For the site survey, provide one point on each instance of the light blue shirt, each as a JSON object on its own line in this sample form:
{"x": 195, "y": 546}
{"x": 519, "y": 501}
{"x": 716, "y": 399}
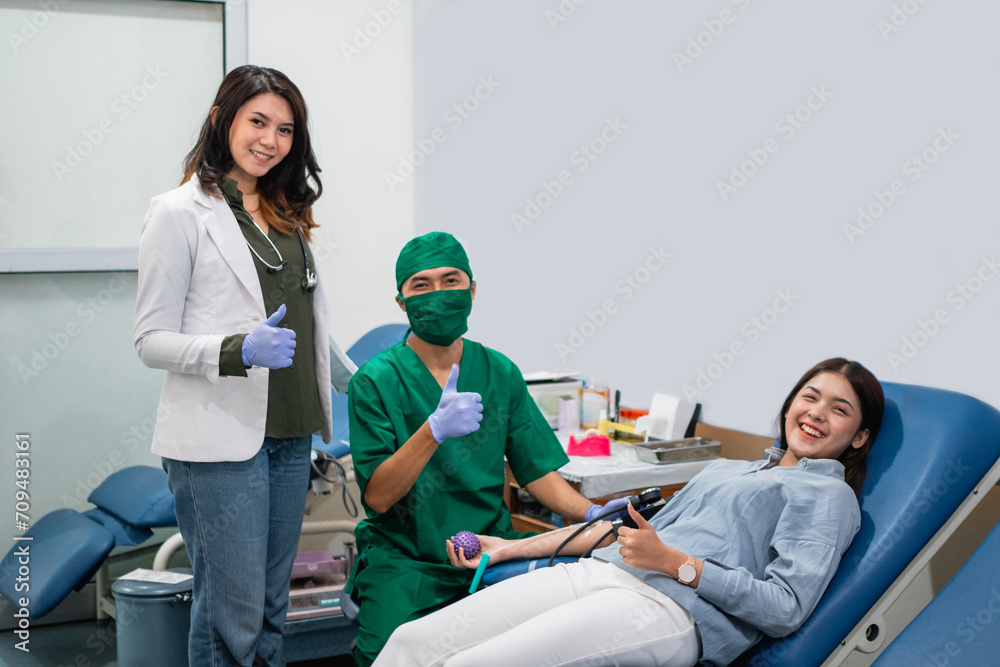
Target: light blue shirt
{"x": 771, "y": 538}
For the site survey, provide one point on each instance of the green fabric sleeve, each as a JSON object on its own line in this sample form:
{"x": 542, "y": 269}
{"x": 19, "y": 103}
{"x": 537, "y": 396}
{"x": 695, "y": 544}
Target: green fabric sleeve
{"x": 373, "y": 437}
{"x": 533, "y": 450}
{"x": 231, "y": 356}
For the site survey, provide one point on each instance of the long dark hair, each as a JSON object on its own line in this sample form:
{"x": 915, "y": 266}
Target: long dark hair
{"x": 286, "y": 196}
{"x": 872, "y": 403}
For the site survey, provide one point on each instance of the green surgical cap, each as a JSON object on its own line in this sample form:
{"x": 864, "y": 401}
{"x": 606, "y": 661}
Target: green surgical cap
{"x": 430, "y": 251}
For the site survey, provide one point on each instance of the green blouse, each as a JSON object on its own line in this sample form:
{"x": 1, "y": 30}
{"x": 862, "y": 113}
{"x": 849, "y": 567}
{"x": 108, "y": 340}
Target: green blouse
{"x": 293, "y": 405}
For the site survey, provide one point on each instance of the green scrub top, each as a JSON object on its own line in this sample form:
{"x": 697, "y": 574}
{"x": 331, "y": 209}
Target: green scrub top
{"x": 403, "y": 571}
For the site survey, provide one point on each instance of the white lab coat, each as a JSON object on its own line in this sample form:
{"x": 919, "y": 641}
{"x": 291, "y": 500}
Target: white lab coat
{"x": 197, "y": 285}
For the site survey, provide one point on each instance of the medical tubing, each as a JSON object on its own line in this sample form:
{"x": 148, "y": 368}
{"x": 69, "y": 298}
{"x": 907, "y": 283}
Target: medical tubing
{"x": 595, "y": 544}
{"x": 579, "y": 530}
{"x": 352, "y": 509}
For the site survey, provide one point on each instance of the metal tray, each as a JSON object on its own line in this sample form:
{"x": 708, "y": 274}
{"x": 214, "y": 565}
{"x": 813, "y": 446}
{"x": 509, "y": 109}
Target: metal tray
{"x": 674, "y": 451}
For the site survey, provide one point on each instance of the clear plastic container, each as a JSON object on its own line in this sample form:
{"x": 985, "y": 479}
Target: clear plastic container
{"x": 594, "y": 398}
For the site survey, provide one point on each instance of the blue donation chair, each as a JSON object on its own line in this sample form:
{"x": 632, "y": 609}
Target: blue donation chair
{"x": 937, "y": 454}
{"x": 68, "y": 548}
{"x": 959, "y": 626}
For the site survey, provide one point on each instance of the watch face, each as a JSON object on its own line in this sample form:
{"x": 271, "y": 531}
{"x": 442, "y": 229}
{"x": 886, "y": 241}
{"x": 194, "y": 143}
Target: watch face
{"x": 686, "y": 573}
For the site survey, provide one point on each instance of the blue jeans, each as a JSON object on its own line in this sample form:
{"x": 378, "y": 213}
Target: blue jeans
{"x": 241, "y": 522}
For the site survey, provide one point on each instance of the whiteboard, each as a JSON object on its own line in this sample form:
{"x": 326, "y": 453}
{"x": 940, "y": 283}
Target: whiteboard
{"x": 102, "y": 102}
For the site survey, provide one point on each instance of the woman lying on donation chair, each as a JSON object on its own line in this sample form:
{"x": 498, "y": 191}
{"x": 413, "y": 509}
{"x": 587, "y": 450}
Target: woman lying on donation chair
{"x": 745, "y": 548}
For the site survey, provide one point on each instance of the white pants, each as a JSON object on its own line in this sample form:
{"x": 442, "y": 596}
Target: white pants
{"x": 586, "y": 613}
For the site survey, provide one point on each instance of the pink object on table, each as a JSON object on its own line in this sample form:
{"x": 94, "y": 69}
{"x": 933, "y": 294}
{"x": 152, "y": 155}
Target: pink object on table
{"x": 593, "y": 445}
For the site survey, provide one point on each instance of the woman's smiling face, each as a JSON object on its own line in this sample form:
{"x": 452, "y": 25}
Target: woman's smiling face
{"x": 823, "y": 420}
{"x": 260, "y": 137}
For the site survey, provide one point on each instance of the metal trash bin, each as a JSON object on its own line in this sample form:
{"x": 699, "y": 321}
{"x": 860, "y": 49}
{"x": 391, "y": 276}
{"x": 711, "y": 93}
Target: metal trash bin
{"x": 152, "y": 622}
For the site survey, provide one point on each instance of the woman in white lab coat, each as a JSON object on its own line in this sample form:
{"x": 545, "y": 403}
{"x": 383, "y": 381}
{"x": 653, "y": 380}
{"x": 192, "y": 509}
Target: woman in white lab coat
{"x": 229, "y": 304}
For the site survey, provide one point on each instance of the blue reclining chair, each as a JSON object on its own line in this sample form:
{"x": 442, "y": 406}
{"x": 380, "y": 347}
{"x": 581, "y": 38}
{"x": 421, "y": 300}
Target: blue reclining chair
{"x": 68, "y": 548}
{"x": 367, "y": 347}
{"x": 937, "y": 454}
{"x": 958, "y": 626}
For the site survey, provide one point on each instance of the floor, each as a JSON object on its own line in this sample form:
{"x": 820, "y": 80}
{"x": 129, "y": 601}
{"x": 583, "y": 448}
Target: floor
{"x": 90, "y": 644}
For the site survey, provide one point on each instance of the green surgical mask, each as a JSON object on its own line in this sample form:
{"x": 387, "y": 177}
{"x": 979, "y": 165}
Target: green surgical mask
{"x": 439, "y": 317}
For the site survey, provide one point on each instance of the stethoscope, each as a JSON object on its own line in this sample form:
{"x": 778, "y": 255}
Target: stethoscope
{"x": 309, "y": 281}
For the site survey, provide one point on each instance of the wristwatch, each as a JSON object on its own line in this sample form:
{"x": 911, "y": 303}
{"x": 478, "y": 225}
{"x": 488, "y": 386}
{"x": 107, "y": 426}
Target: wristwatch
{"x": 686, "y": 573}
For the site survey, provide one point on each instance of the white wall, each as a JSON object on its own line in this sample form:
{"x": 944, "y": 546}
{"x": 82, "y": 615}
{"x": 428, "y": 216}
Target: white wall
{"x": 877, "y": 99}
{"x": 84, "y": 396}
{"x": 361, "y": 108}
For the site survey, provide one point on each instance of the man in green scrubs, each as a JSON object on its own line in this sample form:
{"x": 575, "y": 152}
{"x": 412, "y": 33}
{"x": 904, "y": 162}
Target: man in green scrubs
{"x": 427, "y": 467}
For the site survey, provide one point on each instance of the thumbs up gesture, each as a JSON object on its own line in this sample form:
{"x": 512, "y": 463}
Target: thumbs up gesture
{"x": 641, "y": 547}
{"x": 458, "y": 413}
{"x": 269, "y": 345}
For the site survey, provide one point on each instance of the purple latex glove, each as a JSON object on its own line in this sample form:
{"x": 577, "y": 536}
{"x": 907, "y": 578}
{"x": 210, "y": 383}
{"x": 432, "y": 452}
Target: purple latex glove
{"x": 458, "y": 413}
{"x": 597, "y": 510}
{"x": 269, "y": 345}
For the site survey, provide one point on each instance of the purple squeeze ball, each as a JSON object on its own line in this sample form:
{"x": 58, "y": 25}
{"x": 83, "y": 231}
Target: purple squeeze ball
{"x": 467, "y": 541}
